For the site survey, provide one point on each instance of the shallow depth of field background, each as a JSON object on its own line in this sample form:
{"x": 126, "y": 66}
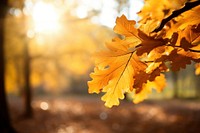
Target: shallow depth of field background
{"x": 52, "y": 42}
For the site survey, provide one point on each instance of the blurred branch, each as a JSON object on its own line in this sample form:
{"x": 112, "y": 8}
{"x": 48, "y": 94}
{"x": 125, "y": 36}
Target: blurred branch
{"x": 188, "y": 6}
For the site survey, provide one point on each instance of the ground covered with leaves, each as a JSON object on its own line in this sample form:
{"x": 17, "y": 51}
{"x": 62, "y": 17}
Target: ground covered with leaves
{"x": 88, "y": 115}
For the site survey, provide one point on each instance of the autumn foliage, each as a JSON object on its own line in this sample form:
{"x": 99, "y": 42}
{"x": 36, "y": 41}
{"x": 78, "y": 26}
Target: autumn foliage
{"x": 166, "y": 38}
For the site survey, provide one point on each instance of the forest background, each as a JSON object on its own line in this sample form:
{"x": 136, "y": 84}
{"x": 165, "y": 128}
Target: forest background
{"x": 48, "y": 47}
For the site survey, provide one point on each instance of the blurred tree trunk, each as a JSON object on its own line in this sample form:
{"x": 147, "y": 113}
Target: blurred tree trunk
{"x": 27, "y": 93}
{"x": 197, "y": 86}
{"x": 27, "y": 87}
{"x": 5, "y": 124}
{"x": 175, "y": 84}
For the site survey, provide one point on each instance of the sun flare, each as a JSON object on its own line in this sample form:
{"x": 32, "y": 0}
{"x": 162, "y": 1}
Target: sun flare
{"x": 45, "y": 17}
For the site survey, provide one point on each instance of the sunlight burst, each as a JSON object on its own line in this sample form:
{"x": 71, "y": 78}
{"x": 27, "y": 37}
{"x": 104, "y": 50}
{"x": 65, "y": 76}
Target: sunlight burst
{"x": 45, "y": 17}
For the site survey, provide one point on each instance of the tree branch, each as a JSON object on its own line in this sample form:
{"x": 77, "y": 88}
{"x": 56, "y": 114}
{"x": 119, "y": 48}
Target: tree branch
{"x": 190, "y": 50}
{"x": 188, "y": 6}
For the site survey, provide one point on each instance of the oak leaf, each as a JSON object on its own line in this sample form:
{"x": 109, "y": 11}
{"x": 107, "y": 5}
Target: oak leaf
{"x": 116, "y": 79}
{"x": 181, "y": 22}
{"x": 149, "y": 43}
{"x": 114, "y": 73}
{"x": 189, "y": 38}
{"x": 125, "y": 27}
{"x": 159, "y": 83}
{"x": 135, "y": 61}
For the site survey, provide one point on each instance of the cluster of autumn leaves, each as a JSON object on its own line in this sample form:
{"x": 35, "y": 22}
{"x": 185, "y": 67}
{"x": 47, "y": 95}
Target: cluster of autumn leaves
{"x": 134, "y": 62}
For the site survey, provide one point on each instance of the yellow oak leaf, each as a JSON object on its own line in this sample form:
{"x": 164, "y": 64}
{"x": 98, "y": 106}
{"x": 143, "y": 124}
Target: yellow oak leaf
{"x": 159, "y": 83}
{"x": 149, "y": 43}
{"x": 125, "y": 27}
{"x": 116, "y": 78}
{"x": 159, "y": 51}
{"x": 189, "y": 38}
{"x": 135, "y": 62}
{"x": 177, "y": 59}
{"x": 135, "y": 38}
{"x": 117, "y": 45}
{"x": 187, "y": 18}
{"x": 152, "y": 71}
{"x": 151, "y": 16}
{"x": 192, "y": 34}
{"x": 192, "y": 15}
{"x": 119, "y": 69}
{"x": 189, "y": 54}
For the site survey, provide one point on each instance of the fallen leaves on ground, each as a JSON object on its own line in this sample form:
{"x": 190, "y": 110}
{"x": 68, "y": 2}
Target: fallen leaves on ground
{"x": 88, "y": 115}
